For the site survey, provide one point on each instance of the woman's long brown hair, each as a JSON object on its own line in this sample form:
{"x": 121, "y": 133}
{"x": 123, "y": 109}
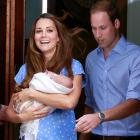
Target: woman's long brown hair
{"x": 62, "y": 57}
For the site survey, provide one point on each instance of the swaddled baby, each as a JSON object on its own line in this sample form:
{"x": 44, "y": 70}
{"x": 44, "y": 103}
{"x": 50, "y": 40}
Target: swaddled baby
{"x": 47, "y": 82}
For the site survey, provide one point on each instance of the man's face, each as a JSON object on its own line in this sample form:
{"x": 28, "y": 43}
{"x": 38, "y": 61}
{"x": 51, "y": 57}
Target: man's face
{"x": 46, "y": 36}
{"x": 105, "y": 32}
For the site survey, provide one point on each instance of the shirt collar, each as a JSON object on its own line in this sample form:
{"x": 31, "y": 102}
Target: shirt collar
{"x": 119, "y": 47}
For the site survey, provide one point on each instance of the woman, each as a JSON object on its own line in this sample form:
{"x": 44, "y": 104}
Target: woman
{"x": 50, "y": 47}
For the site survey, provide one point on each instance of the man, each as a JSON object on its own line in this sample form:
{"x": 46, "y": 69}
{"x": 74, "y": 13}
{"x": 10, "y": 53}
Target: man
{"x": 113, "y": 88}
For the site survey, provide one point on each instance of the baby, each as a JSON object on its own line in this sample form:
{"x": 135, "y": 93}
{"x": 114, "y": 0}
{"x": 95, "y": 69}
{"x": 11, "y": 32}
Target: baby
{"x": 47, "y": 82}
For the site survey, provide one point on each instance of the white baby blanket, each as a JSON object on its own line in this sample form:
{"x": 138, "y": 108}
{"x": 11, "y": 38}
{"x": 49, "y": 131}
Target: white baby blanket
{"x": 41, "y": 82}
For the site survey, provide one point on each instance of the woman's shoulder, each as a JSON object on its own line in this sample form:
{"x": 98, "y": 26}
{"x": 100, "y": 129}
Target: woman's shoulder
{"x": 77, "y": 69}
{"x": 76, "y": 64}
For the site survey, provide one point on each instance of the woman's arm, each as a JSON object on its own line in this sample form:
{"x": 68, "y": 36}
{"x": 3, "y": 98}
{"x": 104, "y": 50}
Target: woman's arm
{"x": 56, "y": 100}
{"x": 31, "y": 114}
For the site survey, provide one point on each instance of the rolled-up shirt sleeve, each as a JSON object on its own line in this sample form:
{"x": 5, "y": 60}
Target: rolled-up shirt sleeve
{"x": 133, "y": 91}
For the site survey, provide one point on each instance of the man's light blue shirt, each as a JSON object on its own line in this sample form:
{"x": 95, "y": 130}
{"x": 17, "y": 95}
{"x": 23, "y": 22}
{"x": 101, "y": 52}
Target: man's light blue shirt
{"x": 113, "y": 81}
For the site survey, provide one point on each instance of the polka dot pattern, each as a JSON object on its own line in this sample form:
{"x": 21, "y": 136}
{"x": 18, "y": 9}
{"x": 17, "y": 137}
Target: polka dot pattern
{"x": 60, "y": 124}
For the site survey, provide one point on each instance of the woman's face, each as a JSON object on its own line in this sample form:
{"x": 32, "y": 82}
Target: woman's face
{"x": 46, "y": 36}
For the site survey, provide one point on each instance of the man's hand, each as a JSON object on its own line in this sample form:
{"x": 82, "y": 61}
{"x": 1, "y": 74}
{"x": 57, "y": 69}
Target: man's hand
{"x": 87, "y": 122}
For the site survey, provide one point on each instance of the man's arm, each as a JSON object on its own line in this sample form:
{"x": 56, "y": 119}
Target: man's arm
{"x": 123, "y": 110}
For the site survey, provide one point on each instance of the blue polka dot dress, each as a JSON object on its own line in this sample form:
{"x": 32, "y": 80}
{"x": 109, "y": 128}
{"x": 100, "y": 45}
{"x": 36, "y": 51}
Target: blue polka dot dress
{"x": 60, "y": 124}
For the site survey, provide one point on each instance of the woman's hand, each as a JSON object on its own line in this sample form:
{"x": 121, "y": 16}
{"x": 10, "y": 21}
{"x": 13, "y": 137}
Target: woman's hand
{"x": 32, "y": 114}
{"x": 22, "y": 96}
{"x": 29, "y": 114}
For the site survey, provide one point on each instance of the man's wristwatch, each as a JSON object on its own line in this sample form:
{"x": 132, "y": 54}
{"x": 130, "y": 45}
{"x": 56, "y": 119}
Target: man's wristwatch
{"x": 101, "y": 116}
